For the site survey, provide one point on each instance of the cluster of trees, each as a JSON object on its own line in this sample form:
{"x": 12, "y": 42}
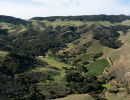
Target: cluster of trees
{"x": 39, "y": 42}
{"x": 76, "y": 61}
{"x": 81, "y": 84}
{"x": 32, "y": 77}
{"x": 15, "y": 64}
{"x": 12, "y": 20}
{"x": 76, "y": 43}
{"x": 122, "y": 28}
{"x": 17, "y": 83}
{"x": 97, "y": 55}
{"x": 20, "y": 88}
{"x": 80, "y": 68}
{"x": 85, "y": 46}
{"x": 110, "y": 18}
{"x": 22, "y": 85}
{"x": 107, "y": 37}
{"x": 35, "y": 42}
{"x": 3, "y": 31}
{"x": 18, "y": 63}
{"x": 53, "y": 90}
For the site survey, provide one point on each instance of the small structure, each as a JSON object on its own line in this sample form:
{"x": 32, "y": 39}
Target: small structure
{"x": 40, "y": 56}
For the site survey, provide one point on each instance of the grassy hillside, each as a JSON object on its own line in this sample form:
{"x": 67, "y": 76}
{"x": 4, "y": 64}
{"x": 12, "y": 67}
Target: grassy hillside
{"x": 53, "y": 62}
{"x": 2, "y": 53}
{"x": 118, "y": 96}
{"x": 67, "y": 37}
{"x": 77, "y": 97}
{"x": 83, "y": 57}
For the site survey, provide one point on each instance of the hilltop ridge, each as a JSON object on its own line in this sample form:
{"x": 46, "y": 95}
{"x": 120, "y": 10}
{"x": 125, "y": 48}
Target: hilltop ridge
{"x": 52, "y": 57}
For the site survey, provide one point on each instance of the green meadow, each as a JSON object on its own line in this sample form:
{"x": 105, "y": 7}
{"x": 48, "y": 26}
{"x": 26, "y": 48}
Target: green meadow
{"x": 106, "y": 86}
{"x": 97, "y": 67}
{"x": 2, "y": 53}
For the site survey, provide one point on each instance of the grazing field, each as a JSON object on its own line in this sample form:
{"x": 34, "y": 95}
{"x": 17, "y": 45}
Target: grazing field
{"x": 37, "y": 26}
{"x": 16, "y": 31}
{"x": 2, "y": 53}
{"x": 104, "y": 23}
{"x": 120, "y": 57}
{"x": 63, "y": 23}
{"x": 75, "y": 48}
{"x": 77, "y": 97}
{"x": 57, "y": 75}
{"x": 7, "y": 25}
{"x": 97, "y": 67}
{"x": 83, "y": 57}
{"x": 45, "y": 70}
{"x": 79, "y": 23}
{"x": 118, "y": 96}
{"x": 126, "y": 22}
{"x": 106, "y": 86}
{"x": 97, "y": 47}
{"x": 53, "y": 62}
{"x": 46, "y": 22}
{"x": 23, "y": 29}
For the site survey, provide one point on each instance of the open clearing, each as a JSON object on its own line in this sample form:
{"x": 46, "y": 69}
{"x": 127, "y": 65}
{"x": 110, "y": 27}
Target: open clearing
{"x": 97, "y": 47}
{"x": 53, "y": 62}
{"x": 2, "y": 53}
{"x": 83, "y": 57}
{"x": 97, "y": 67}
{"x": 77, "y": 97}
{"x": 118, "y": 96}
{"x": 106, "y": 86}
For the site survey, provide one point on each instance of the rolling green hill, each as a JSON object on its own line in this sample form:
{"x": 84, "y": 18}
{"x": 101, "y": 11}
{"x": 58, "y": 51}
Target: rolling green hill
{"x": 52, "y": 57}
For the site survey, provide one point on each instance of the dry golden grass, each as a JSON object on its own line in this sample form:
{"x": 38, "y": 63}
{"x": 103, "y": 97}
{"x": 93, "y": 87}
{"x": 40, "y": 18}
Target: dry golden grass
{"x": 77, "y": 97}
{"x": 118, "y": 96}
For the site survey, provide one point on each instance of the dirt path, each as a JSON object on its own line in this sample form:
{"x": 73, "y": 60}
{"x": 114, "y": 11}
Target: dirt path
{"x": 105, "y": 72}
{"x": 108, "y": 58}
{"x": 82, "y": 97}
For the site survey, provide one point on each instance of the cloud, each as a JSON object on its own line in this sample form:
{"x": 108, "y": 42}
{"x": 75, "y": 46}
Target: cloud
{"x": 44, "y": 1}
{"x": 32, "y": 8}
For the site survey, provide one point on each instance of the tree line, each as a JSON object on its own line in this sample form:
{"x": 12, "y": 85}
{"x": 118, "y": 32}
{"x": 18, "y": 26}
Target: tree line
{"x": 110, "y": 18}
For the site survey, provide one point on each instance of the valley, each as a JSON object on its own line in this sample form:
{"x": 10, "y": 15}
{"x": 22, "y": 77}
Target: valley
{"x": 57, "y": 58}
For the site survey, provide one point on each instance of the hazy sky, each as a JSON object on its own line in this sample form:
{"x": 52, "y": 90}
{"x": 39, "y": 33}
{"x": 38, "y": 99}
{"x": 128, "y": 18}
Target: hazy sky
{"x": 26, "y": 9}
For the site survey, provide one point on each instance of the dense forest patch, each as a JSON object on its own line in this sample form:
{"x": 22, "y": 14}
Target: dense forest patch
{"x": 110, "y": 18}
{"x": 12, "y": 20}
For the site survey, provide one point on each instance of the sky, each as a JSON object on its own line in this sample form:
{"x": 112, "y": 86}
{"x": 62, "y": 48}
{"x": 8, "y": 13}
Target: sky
{"x": 27, "y": 9}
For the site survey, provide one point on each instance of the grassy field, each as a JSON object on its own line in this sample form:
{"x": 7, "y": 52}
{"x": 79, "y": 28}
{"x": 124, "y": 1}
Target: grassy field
{"x": 57, "y": 76}
{"x": 104, "y": 23}
{"x": 83, "y": 57}
{"x": 77, "y": 97}
{"x": 36, "y": 25}
{"x": 106, "y": 86}
{"x": 118, "y": 96}
{"x": 78, "y": 23}
{"x": 23, "y": 29}
{"x": 46, "y": 22}
{"x": 97, "y": 67}
{"x": 2, "y": 53}
{"x": 97, "y": 47}
{"x": 7, "y": 25}
{"x": 75, "y": 48}
{"x": 53, "y": 62}
{"x": 62, "y": 23}
{"x": 126, "y": 22}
